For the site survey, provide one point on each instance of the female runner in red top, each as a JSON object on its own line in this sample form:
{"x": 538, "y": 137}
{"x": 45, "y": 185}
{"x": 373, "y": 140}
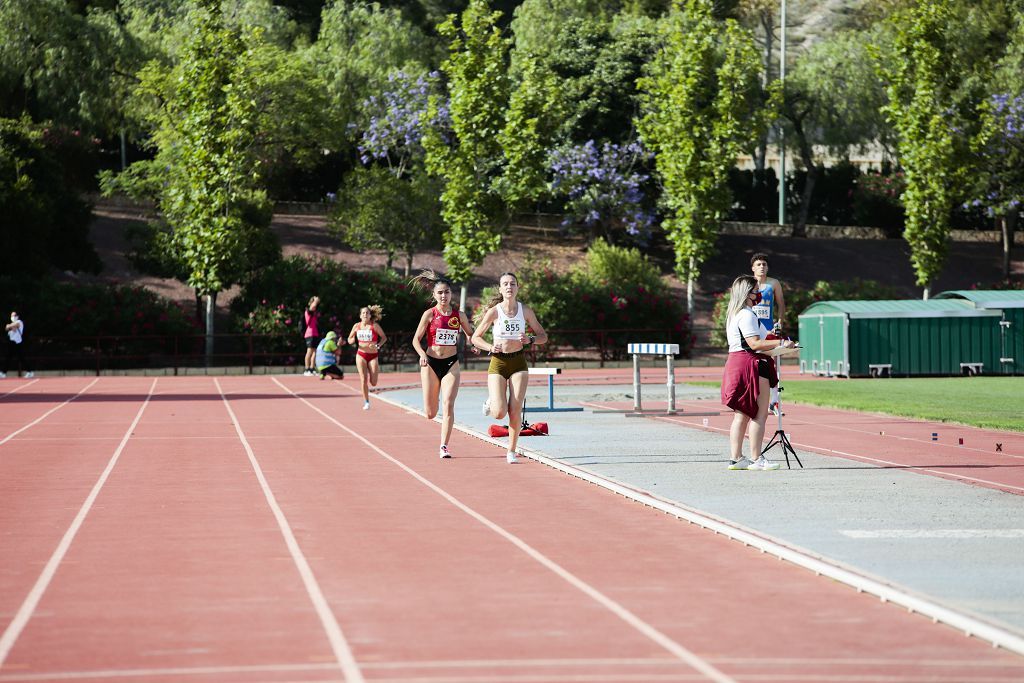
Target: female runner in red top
{"x": 370, "y": 336}
{"x": 439, "y": 361}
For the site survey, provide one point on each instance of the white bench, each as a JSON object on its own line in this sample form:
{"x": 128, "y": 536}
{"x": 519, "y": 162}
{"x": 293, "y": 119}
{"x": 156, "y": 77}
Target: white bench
{"x": 971, "y": 368}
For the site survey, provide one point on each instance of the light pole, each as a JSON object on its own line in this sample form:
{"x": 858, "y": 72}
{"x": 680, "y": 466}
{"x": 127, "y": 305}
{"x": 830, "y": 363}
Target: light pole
{"x": 782, "y": 141}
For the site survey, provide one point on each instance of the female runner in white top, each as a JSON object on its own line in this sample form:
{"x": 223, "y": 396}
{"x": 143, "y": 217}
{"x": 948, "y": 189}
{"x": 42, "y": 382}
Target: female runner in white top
{"x": 508, "y": 375}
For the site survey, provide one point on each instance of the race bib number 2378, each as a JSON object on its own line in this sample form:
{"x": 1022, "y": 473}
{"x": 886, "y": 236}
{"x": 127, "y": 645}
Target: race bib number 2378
{"x": 446, "y": 337}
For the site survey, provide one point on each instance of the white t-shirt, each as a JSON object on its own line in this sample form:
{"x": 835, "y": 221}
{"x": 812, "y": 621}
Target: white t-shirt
{"x": 744, "y": 325}
{"x": 15, "y": 334}
{"x": 509, "y": 328}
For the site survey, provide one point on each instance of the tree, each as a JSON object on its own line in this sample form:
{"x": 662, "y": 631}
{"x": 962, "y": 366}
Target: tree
{"x": 206, "y": 124}
{"x": 359, "y": 45}
{"x": 75, "y": 69}
{"x": 920, "y": 76}
{"x": 471, "y": 158}
{"x": 833, "y": 100}
{"x": 697, "y": 116}
{"x": 379, "y": 210}
{"x": 998, "y": 147}
{"x": 594, "y": 58}
{"x": 603, "y": 187}
{"x": 44, "y": 223}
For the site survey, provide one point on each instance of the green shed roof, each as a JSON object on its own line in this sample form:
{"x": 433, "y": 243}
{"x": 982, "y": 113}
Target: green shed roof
{"x": 988, "y": 298}
{"x": 898, "y": 308}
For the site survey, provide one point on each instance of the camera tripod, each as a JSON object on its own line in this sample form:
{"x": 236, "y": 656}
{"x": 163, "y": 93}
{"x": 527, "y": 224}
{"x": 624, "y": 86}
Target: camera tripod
{"x": 779, "y": 438}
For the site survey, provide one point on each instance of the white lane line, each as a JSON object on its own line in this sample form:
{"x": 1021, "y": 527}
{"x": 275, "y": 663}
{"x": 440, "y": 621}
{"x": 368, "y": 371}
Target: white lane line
{"x": 617, "y": 609}
{"x": 520, "y": 665}
{"x": 31, "y": 601}
{"x": 824, "y": 450}
{"x": 933, "y": 533}
{"x": 970, "y": 626}
{"x": 19, "y": 388}
{"x": 339, "y": 644}
{"x": 951, "y": 449}
{"x": 48, "y": 413}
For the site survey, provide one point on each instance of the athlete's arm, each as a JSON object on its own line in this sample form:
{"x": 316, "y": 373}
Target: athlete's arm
{"x": 352, "y": 334}
{"x": 777, "y": 286}
{"x": 477, "y": 339}
{"x": 380, "y": 333}
{"x": 418, "y": 337}
{"x": 467, "y": 328}
{"x": 539, "y": 335}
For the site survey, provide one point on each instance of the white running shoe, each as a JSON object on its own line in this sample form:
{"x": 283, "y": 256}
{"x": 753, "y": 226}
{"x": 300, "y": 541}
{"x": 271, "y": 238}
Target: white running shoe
{"x": 29, "y": 375}
{"x": 486, "y": 407}
{"x": 763, "y": 463}
{"x": 443, "y": 452}
{"x": 740, "y": 464}
{"x": 511, "y": 458}
{"x": 3, "y": 375}
{"x": 366, "y": 405}
{"x": 307, "y": 373}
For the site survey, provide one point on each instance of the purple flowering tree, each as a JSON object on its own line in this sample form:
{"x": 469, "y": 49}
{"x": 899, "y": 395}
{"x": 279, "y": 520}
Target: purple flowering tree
{"x": 395, "y": 121}
{"x": 999, "y": 153}
{"x": 389, "y": 203}
{"x": 603, "y": 187}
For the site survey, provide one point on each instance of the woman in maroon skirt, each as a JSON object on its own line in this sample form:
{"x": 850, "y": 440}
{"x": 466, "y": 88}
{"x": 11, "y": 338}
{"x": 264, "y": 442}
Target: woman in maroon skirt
{"x": 749, "y": 374}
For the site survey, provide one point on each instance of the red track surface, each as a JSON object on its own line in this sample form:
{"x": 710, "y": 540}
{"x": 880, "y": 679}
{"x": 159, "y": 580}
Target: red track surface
{"x": 270, "y": 537}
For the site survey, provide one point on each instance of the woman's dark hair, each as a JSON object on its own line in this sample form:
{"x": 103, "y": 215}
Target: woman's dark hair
{"x": 429, "y": 279}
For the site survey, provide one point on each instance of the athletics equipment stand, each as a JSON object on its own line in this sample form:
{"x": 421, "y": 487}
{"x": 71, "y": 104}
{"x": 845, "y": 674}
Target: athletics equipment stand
{"x": 779, "y": 438}
{"x": 667, "y": 350}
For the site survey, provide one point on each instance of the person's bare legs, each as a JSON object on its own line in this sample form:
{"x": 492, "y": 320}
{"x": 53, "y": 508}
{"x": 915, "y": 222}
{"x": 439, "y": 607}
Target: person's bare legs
{"x": 755, "y": 430}
{"x": 431, "y": 385}
{"x": 516, "y": 394}
{"x": 449, "y": 390}
{"x": 736, "y": 431}
{"x": 310, "y": 354}
{"x": 497, "y": 396}
{"x": 363, "y": 377}
{"x": 374, "y": 367}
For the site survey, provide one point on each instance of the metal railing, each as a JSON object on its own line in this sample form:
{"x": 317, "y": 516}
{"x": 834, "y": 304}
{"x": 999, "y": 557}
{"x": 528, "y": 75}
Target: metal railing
{"x": 175, "y": 353}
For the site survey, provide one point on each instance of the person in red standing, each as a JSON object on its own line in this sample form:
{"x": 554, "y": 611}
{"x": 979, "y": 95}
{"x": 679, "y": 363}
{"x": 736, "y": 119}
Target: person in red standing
{"x": 439, "y": 361}
{"x": 369, "y": 336}
{"x": 311, "y": 334}
{"x": 749, "y": 374}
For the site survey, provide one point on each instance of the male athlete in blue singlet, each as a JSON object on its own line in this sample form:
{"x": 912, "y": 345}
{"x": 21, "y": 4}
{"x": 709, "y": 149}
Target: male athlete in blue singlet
{"x": 769, "y": 310}
{"x": 772, "y": 306}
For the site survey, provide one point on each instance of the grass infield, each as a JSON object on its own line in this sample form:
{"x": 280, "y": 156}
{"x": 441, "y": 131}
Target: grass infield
{"x": 990, "y": 402}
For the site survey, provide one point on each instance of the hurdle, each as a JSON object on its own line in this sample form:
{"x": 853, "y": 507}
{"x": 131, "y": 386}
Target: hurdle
{"x": 669, "y": 351}
{"x": 550, "y": 373}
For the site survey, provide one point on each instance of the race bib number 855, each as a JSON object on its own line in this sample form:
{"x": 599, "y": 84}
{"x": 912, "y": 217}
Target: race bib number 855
{"x": 510, "y": 329}
{"x": 446, "y": 337}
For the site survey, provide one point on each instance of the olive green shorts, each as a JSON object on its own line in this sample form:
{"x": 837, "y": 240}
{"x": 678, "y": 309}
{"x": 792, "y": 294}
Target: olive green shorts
{"x": 507, "y": 364}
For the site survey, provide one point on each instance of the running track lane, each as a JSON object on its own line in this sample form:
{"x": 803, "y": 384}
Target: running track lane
{"x": 680, "y": 582}
{"x": 179, "y": 563}
{"x": 421, "y": 589}
{"x": 891, "y": 442}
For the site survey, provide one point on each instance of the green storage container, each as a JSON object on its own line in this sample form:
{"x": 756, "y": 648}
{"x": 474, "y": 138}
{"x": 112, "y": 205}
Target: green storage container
{"x": 947, "y": 336}
{"x": 1011, "y": 324}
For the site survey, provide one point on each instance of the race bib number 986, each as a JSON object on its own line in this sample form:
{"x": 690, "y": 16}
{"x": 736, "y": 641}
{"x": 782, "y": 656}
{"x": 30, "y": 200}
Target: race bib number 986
{"x": 446, "y": 337}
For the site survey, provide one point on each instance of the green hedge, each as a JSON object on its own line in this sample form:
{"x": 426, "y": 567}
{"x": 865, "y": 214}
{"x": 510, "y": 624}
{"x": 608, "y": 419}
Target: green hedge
{"x": 274, "y": 299}
{"x": 63, "y": 309}
{"x": 614, "y": 288}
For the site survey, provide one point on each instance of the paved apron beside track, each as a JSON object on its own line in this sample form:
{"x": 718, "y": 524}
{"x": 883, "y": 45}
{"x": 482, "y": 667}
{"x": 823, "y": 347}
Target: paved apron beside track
{"x": 825, "y": 508}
